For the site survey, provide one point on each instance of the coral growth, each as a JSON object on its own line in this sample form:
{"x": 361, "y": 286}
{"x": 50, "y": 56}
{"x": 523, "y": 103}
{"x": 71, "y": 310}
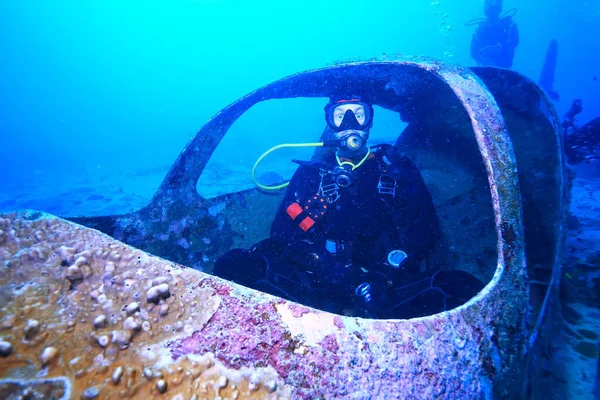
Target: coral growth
{"x": 85, "y": 316}
{"x": 93, "y": 316}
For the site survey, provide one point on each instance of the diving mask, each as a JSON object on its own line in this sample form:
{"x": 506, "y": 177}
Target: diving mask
{"x": 349, "y": 114}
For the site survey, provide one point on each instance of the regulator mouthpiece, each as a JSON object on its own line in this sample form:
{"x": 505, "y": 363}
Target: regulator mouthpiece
{"x": 352, "y": 140}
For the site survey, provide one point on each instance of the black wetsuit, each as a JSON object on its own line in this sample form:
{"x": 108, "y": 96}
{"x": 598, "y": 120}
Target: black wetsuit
{"x": 494, "y": 44}
{"x": 353, "y": 230}
{"x": 582, "y": 144}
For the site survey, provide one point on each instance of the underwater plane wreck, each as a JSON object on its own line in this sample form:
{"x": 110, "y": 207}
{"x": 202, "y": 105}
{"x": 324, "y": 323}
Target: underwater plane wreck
{"x": 104, "y": 307}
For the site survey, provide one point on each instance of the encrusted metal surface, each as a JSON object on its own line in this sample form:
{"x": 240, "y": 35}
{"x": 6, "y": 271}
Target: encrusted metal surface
{"x": 86, "y": 316}
{"x": 171, "y": 331}
{"x": 546, "y": 186}
{"x": 212, "y": 338}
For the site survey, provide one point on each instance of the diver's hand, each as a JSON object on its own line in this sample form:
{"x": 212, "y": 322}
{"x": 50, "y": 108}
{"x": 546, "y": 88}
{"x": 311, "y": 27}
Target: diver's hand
{"x": 491, "y": 51}
{"x": 371, "y": 286}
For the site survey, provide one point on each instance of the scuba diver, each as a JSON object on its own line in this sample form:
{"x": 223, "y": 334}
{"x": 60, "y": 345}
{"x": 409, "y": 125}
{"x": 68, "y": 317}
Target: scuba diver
{"x": 497, "y": 36}
{"x": 352, "y": 231}
{"x": 581, "y": 143}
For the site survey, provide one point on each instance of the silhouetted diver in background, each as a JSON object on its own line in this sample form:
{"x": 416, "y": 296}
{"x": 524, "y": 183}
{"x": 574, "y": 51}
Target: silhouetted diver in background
{"x": 496, "y": 38}
{"x": 581, "y": 144}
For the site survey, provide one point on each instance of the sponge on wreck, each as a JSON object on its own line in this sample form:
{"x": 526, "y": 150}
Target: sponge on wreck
{"x": 84, "y": 316}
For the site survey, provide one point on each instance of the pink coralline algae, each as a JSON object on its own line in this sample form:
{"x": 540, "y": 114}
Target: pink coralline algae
{"x": 298, "y": 310}
{"x": 169, "y": 329}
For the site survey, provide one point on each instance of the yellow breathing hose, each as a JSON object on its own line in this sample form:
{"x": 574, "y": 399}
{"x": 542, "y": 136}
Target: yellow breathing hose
{"x": 272, "y": 149}
{"x": 354, "y": 166}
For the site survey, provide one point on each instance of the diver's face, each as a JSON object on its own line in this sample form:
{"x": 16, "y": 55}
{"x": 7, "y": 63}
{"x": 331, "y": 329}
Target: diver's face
{"x": 340, "y": 111}
{"x": 493, "y": 12}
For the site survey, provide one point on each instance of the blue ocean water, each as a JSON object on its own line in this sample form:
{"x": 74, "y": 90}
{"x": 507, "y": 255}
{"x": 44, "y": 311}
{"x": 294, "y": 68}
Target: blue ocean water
{"x": 98, "y": 98}
{"x": 105, "y": 85}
